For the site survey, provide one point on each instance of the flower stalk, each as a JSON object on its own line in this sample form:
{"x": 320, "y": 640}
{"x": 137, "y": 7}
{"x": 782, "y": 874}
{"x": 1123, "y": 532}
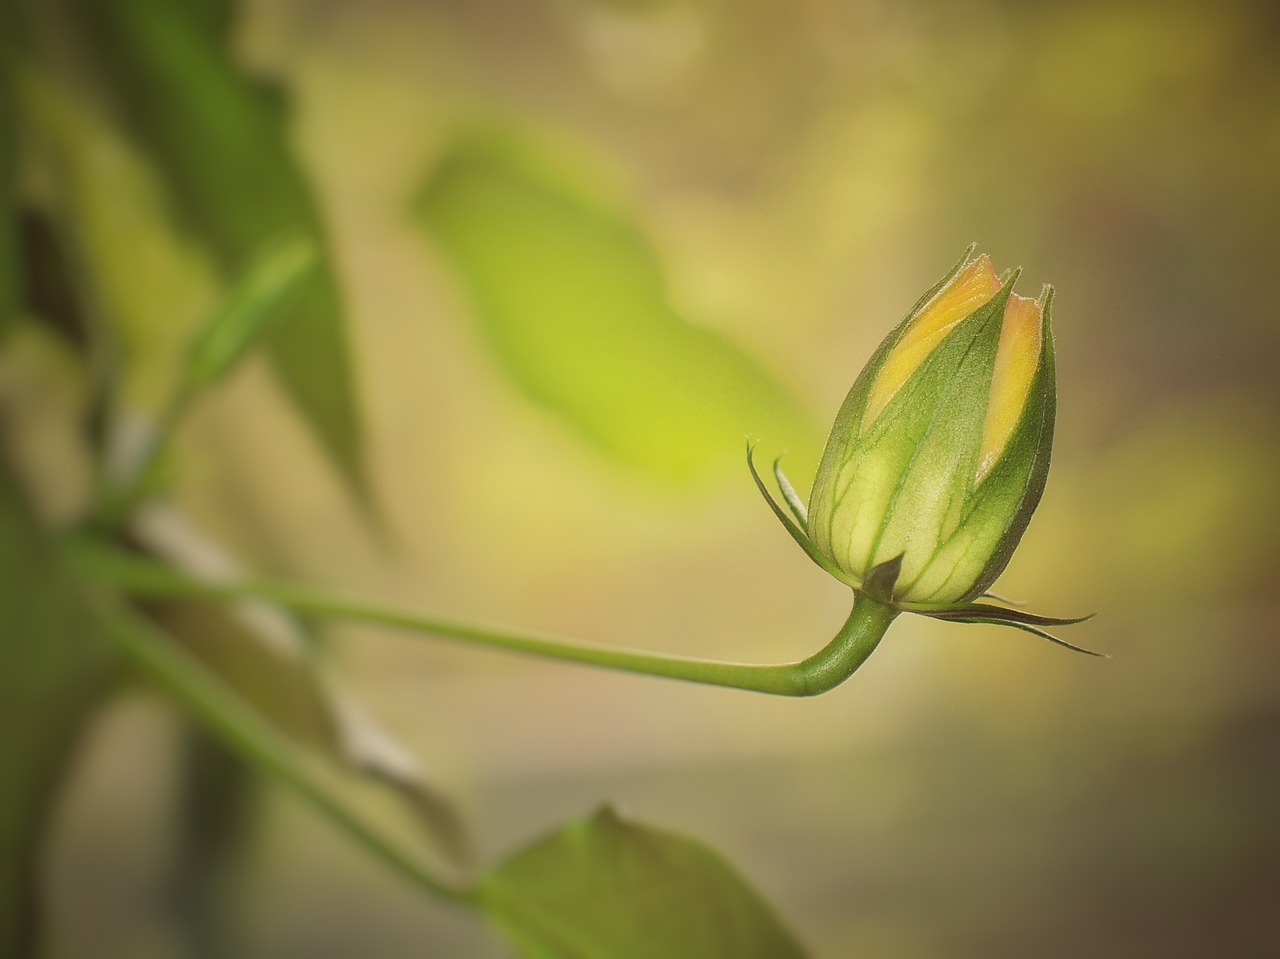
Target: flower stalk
{"x": 139, "y": 577}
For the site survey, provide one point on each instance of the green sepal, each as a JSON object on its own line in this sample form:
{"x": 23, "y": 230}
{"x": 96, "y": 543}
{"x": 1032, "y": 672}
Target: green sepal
{"x": 1003, "y": 599}
{"x": 792, "y": 498}
{"x": 1035, "y": 631}
{"x": 936, "y": 400}
{"x": 879, "y": 582}
{"x": 796, "y": 532}
{"x": 1019, "y": 616}
{"x": 1015, "y": 618}
{"x": 996, "y": 513}
{"x": 847, "y": 427}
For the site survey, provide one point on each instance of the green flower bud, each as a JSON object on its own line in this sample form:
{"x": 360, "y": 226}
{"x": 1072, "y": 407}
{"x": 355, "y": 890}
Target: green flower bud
{"x": 938, "y": 456}
{"x": 940, "y": 452}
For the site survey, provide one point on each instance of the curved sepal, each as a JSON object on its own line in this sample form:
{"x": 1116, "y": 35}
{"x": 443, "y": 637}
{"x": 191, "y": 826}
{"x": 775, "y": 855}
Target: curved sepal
{"x": 1003, "y": 599}
{"x": 1016, "y": 618}
{"x": 997, "y": 613}
{"x": 880, "y": 581}
{"x": 798, "y": 534}
{"x": 792, "y": 498}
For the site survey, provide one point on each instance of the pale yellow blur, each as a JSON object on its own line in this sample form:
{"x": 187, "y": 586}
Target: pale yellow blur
{"x": 1017, "y": 358}
{"x": 968, "y": 290}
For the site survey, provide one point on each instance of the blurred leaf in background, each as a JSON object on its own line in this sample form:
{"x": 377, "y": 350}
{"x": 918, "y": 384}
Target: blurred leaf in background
{"x": 222, "y": 141}
{"x": 606, "y": 886}
{"x": 142, "y": 284}
{"x": 572, "y": 299}
{"x": 54, "y": 666}
{"x": 10, "y": 270}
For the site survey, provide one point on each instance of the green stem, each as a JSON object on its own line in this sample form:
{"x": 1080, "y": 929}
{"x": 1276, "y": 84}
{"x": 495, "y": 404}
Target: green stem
{"x": 239, "y": 728}
{"x": 120, "y": 495}
{"x": 824, "y": 670}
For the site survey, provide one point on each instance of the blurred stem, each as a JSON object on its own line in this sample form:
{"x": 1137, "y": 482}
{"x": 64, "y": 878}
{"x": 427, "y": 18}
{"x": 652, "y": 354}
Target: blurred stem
{"x": 235, "y": 328}
{"x": 120, "y": 496}
{"x": 239, "y": 728}
{"x": 824, "y": 670}
{"x": 215, "y": 806}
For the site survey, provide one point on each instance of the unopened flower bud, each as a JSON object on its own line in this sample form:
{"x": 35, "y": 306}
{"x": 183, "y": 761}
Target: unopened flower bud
{"x": 938, "y": 456}
{"x": 940, "y": 452}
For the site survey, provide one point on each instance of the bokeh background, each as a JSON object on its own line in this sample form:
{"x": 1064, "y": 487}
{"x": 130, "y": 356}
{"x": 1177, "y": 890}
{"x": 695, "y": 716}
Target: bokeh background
{"x": 790, "y": 176}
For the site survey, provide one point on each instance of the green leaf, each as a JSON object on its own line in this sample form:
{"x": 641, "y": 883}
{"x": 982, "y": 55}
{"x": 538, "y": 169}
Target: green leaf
{"x": 53, "y": 670}
{"x": 572, "y": 299}
{"x": 604, "y": 886}
{"x": 223, "y": 146}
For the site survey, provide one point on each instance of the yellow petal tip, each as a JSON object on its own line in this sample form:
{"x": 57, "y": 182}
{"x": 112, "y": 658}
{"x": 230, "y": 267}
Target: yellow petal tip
{"x": 1017, "y": 359}
{"x": 968, "y": 290}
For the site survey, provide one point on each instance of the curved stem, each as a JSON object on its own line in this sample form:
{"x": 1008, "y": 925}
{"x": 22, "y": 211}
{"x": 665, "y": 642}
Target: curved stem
{"x": 840, "y": 658}
{"x": 824, "y": 670}
{"x": 240, "y": 729}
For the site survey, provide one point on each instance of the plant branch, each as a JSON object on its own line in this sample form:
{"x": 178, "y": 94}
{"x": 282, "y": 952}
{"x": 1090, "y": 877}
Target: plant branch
{"x": 824, "y": 670}
{"x": 244, "y": 732}
{"x": 119, "y": 495}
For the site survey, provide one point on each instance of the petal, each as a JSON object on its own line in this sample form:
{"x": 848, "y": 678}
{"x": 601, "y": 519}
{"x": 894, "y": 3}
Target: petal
{"x": 967, "y": 292}
{"x": 1017, "y": 359}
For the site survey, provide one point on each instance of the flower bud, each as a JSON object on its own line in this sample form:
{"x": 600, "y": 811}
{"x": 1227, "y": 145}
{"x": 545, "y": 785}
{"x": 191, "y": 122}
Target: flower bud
{"x": 939, "y": 454}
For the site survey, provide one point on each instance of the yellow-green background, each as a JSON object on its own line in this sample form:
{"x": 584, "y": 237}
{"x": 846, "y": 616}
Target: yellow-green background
{"x": 803, "y": 171}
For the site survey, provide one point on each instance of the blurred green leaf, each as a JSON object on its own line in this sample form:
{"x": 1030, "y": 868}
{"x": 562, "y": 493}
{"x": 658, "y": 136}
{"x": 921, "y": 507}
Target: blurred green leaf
{"x": 45, "y": 402}
{"x": 223, "y": 146}
{"x": 53, "y": 668}
{"x": 12, "y": 29}
{"x": 10, "y": 270}
{"x": 604, "y": 886}
{"x": 145, "y": 284}
{"x": 573, "y": 301}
